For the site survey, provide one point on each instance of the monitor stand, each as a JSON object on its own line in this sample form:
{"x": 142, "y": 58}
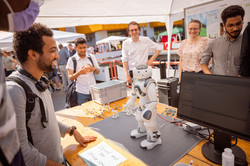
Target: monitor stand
{"x": 213, "y": 152}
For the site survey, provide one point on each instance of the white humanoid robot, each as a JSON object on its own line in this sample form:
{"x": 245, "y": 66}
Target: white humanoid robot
{"x": 144, "y": 87}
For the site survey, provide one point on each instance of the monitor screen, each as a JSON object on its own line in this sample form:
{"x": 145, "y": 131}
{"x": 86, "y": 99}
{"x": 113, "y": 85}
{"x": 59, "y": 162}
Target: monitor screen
{"x": 218, "y": 102}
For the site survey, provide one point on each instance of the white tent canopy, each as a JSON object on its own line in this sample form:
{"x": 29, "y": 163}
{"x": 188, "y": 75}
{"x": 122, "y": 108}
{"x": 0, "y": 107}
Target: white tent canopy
{"x": 6, "y": 38}
{"x": 111, "y": 39}
{"x": 65, "y": 13}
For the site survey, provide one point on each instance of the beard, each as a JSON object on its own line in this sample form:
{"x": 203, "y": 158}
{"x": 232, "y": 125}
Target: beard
{"x": 230, "y": 34}
{"x": 82, "y": 54}
{"x": 44, "y": 66}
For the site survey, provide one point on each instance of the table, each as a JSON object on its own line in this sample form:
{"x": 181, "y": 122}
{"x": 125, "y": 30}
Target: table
{"x": 80, "y": 117}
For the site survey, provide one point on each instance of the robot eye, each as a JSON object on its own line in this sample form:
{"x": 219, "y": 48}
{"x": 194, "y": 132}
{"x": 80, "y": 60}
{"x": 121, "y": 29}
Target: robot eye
{"x": 146, "y": 71}
{"x": 138, "y": 71}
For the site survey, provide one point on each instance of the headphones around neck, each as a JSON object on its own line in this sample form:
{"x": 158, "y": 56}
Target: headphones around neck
{"x": 41, "y": 84}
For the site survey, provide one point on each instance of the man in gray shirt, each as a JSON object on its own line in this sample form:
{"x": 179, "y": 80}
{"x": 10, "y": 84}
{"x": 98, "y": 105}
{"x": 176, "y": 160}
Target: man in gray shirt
{"x": 62, "y": 61}
{"x": 225, "y": 50}
{"x": 36, "y": 51}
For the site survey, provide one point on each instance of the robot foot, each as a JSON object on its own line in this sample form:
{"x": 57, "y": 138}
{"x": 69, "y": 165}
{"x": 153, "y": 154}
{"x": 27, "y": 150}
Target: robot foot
{"x": 145, "y": 144}
{"x": 135, "y": 134}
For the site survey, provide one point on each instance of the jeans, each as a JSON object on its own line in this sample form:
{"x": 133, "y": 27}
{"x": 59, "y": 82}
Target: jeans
{"x": 83, "y": 98}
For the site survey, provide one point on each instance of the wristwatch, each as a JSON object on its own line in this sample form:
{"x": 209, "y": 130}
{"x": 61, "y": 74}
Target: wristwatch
{"x": 72, "y": 130}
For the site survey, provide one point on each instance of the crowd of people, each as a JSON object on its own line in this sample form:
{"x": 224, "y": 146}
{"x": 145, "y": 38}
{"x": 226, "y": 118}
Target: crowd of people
{"x": 225, "y": 55}
{"x": 27, "y": 138}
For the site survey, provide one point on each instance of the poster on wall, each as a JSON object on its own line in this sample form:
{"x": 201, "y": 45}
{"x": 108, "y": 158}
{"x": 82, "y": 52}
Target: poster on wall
{"x": 209, "y": 15}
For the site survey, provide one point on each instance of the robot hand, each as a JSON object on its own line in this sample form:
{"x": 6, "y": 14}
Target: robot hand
{"x": 128, "y": 108}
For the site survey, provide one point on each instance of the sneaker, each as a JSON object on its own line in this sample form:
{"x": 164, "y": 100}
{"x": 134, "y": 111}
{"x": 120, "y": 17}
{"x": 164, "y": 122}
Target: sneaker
{"x": 58, "y": 89}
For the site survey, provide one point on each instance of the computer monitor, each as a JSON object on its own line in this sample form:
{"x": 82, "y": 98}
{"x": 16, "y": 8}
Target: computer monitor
{"x": 221, "y": 103}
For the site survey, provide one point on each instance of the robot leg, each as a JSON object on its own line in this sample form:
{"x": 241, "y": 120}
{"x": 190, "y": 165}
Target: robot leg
{"x": 153, "y": 134}
{"x": 141, "y": 130}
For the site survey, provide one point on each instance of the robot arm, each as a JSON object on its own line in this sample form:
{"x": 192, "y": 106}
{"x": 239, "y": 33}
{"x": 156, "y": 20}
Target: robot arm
{"x": 152, "y": 95}
{"x": 128, "y": 107}
{"x": 131, "y": 101}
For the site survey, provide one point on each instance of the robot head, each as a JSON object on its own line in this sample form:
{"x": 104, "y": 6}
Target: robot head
{"x": 142, "y": 72}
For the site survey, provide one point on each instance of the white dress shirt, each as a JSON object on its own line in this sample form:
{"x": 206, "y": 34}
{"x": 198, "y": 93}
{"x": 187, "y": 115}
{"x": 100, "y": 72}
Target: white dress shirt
{"x": 136, "y": 53}
{"x": 84, "y": 81}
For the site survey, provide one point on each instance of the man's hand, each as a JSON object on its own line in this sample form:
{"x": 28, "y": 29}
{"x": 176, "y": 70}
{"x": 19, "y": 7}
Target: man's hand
{"x": 205, "y": 69}
{"x": 90, "y": 68}
{"x": 83, "y": 140}
{"x": 83, "y": 70}
{"x": 129, "y": 79}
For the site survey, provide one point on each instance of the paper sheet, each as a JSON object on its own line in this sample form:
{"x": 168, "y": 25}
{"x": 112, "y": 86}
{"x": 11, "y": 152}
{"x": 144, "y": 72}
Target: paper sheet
{"x": 102, "y": 155}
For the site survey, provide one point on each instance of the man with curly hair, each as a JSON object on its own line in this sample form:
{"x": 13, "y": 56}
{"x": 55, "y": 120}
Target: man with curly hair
{"x": 37, "y": 51}
{"x": 225, "y": 50}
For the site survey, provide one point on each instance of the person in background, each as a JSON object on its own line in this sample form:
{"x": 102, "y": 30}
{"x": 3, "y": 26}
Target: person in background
{"x": 36, "y": 50}
{"x": 135, "y": 50}
{"x": 85, "y": 70}
{"x": 10, "y": 150}
{"x": 62, "y": 61}
{"x": 191, "y": 49}
{"x": 9, "y": 63}
{"x": 96, "y": 49}
{"x": 53, "y": 79}
{"x": 100, "y": 48}
{"x": 245, "y": 53}
{"x": 92, "y": 50}
{"x": 72, "y": 51}
{"x": 225, "y": 50}
{"x": 104, "y": 47}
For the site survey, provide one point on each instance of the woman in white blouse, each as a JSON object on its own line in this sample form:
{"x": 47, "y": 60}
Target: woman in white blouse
{"x": 191, "y": 49}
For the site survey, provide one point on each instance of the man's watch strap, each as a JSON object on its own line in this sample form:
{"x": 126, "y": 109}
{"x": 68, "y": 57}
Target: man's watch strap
{"x": 72, "y": 130}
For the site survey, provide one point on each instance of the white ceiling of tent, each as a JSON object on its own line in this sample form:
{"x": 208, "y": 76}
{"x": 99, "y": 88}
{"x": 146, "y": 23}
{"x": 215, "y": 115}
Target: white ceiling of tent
{"x": 66, "y": 13}
{"x": 59, "y": 36}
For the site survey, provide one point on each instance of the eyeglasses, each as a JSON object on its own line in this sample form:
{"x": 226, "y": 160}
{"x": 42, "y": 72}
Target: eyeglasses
{"x": 232, "y": 26}
{"x": 195, "y": 29}
{"x": 132, "y": 30}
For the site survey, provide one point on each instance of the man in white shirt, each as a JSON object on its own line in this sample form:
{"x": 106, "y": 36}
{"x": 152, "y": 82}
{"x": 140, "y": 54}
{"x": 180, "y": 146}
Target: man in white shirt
{"x": 85, "y": 70}
{"x": 136, "y": 49}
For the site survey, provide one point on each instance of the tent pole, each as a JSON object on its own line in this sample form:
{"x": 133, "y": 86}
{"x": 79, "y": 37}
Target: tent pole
{"x": 169, "y": 26}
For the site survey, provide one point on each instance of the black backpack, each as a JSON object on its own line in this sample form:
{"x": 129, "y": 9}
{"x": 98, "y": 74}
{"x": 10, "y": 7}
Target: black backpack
{"x": 71, "y": 95}
{"x": 30, "y": 104}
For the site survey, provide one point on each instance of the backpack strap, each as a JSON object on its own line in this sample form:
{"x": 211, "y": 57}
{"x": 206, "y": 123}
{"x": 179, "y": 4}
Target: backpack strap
{"x": 74, "y": 63}
{"x": 89, "y": 56}
{"x": 90, "y": 59}
{"x": 30, "y": 104}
